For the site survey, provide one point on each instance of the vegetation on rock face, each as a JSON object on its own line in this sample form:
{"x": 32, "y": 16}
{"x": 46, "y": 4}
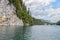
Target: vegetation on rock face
{"x": 38, "y": 22}
{"x": 22, "y": 12}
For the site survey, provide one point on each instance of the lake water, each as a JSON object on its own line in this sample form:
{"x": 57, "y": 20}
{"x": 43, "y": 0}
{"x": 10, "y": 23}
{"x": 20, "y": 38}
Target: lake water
{"x": 37, "y": 32}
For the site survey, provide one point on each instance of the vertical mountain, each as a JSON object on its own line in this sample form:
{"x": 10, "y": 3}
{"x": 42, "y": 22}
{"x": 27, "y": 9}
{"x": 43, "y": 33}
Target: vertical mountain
{"x": 22, "y": 12}
{"x": 14, "y": 12}
{"x": 7, "y": 14}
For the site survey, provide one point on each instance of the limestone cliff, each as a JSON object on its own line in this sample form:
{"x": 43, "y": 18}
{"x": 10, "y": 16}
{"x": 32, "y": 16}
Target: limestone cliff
{"x": 7, "y": 14}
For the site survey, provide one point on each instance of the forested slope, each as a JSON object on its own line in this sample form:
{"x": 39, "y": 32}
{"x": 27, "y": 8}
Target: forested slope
{"x": 22, "y": 12}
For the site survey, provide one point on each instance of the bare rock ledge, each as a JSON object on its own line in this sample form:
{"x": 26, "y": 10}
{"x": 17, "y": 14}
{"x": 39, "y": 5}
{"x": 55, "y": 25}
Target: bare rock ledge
{"x": 7, "y": 14}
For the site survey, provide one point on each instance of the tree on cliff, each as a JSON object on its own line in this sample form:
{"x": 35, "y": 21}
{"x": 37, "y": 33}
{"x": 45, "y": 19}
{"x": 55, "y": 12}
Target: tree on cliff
{"x": 21, "y": 11}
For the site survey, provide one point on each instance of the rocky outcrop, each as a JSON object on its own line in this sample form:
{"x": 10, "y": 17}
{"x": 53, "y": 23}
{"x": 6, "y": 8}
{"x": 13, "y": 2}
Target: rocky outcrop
{"x": 7, "y": 14}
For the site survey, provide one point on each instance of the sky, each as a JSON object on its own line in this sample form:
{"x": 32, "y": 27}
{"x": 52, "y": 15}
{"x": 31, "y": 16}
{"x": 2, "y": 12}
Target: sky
{"x": 44, "y": 9}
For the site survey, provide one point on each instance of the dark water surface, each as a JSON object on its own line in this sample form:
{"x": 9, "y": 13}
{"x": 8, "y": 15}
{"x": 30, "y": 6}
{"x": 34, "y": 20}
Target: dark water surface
{"x": 36, "y": 32}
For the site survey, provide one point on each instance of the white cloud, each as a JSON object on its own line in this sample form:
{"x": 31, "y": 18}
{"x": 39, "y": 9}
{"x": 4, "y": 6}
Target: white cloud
{"x": 42, "y": 9}
{"x": 42, "y": 2}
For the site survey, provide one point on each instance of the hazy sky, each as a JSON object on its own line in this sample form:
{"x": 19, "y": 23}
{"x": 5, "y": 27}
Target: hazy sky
{"x": 44, "y": 9}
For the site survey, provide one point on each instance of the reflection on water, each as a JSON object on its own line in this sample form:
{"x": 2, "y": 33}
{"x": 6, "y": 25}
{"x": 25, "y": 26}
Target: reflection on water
{"x": 27, "y": 33}
{"x": 30, "y": 33}
{"x": 11, "y": 33}
{"x": 18, "y": 33}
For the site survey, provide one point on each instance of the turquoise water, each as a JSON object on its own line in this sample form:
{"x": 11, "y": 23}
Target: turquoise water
{"x": 11, "y": 33}
{"x": 37, "y": 32}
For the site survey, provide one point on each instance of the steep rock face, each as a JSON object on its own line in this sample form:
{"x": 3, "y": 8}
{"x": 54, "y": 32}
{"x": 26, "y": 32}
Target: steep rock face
{"x": 7, "y": 14}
